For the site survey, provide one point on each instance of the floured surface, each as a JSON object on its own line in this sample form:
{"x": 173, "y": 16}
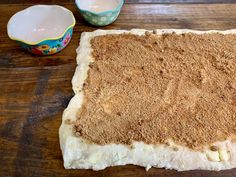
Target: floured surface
{"x": 76, "y": 154}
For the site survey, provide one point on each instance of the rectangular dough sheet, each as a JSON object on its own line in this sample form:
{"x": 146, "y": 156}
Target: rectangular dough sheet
{"x": 78, "y": 154}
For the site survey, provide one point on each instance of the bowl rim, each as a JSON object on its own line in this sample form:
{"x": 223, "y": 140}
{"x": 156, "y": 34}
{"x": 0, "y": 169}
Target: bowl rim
{"x": 45, "y": 39}
{"x": 101, "y": 13}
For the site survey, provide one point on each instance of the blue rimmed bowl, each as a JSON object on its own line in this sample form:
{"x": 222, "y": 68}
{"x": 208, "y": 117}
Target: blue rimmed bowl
{"x": 100, "y": 12}
{"x": 42, "y": 29}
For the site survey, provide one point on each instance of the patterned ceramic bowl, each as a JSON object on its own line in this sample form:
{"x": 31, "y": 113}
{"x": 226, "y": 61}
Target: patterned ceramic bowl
{"x": 99, "y": 12}
{"x": 42, "y": 29}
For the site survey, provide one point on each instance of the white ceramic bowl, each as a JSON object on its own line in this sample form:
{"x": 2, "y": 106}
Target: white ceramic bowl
{"x": 99, "y": 12}
{"x": 42, "y": 29}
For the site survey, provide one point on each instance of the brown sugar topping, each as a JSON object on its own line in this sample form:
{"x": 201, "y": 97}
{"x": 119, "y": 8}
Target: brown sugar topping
{"x": 156, "y": 88}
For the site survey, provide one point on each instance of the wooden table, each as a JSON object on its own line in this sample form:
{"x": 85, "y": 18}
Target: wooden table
{"x": 35, "y": 90}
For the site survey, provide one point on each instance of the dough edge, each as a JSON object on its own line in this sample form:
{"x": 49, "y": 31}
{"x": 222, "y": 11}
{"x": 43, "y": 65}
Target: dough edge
{"x": 77, "y": 154}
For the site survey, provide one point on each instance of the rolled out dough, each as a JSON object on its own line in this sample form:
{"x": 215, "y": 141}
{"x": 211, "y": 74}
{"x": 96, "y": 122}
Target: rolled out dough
{"x": 78, "y": 154}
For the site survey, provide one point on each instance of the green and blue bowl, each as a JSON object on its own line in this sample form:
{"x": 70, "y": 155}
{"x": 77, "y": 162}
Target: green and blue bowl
{"x": 100, "y": 12}
{"x": 42, "y": 29}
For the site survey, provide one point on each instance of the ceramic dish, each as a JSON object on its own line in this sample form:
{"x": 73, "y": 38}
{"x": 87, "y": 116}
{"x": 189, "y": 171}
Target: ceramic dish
{"x": 100, "y": 12}
{"x": 42, "y": 29}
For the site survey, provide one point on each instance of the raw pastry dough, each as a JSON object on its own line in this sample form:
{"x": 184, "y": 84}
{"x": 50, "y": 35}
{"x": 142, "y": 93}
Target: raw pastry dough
{"x": 78, "y": 154}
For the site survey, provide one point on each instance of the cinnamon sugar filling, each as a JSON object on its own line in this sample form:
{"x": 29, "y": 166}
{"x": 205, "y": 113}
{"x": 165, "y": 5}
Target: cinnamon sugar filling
{"x": 157, "y": 88}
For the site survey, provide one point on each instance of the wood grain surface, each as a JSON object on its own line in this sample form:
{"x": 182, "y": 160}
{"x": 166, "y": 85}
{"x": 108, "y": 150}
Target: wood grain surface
{"x": 35, "y": 90}
{"x": 127, "y": 1}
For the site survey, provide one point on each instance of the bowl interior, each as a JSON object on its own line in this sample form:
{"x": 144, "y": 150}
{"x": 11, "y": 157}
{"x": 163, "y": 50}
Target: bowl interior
{"x": 98, "y": 6}
{"x": 40, "y": 22}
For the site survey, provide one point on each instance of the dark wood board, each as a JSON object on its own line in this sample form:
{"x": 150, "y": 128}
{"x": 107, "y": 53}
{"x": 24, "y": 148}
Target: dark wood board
{"x": 34, "y": 90}
{"x": 127, "y": 1}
